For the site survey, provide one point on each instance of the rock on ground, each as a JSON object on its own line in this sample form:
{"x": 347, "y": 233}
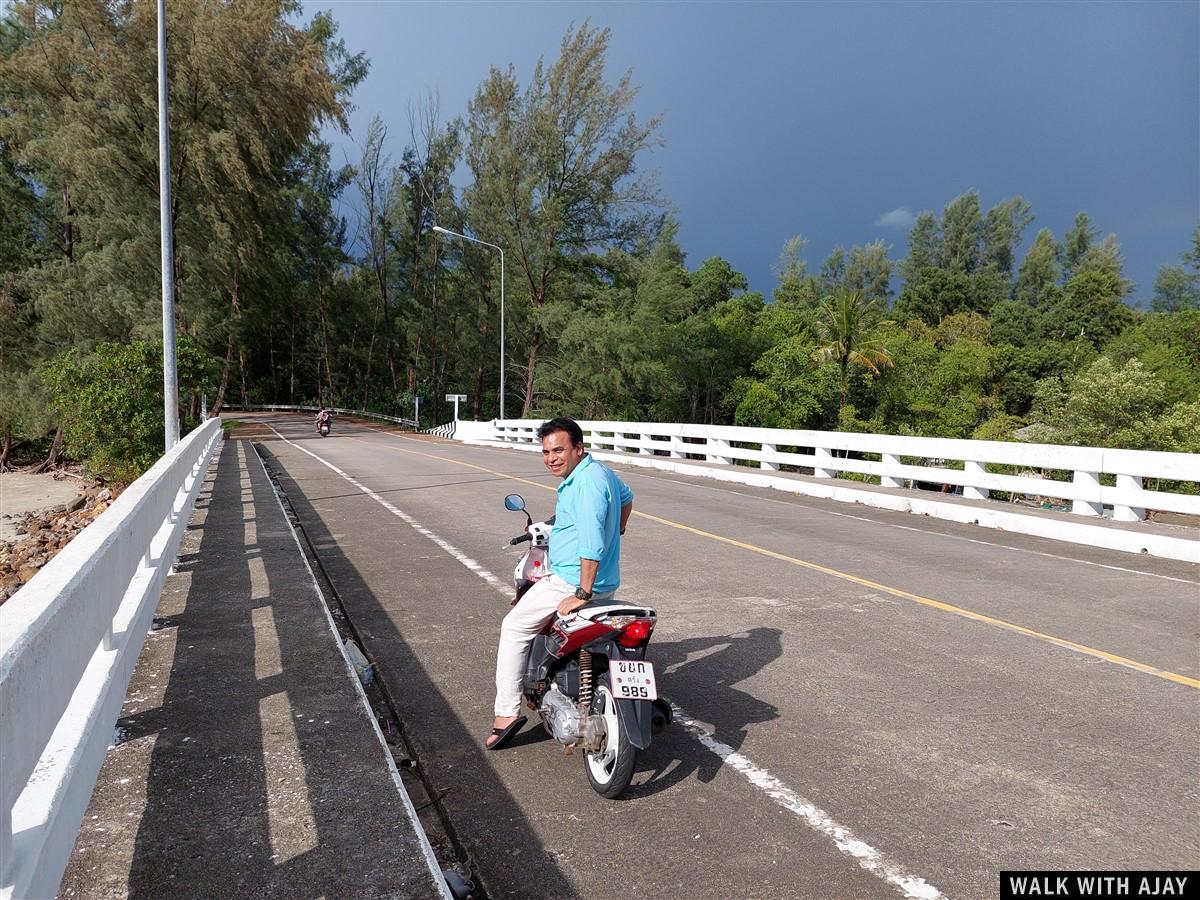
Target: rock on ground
{"x": 41, "y": 518}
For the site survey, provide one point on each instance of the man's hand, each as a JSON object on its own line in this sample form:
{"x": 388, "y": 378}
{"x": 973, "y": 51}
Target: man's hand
{"x": 570, "y": 604}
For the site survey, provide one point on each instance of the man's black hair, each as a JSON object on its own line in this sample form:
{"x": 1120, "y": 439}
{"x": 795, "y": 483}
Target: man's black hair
{"x": 562, "y": 423}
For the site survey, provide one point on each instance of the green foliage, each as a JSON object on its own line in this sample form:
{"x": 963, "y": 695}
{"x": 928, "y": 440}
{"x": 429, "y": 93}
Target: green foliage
{"x": 604, "y": 316}
{"x": 1090, "y": 308}
{"x": 790, "y": 389}
{"x": 941, "y": 382}
{"x": 110, "y": 403}
{"x": 846, "y": 327}
{"x": 1107, "y": 405}
{"x": 1040, "y": 271}
{"x": 1178, "y": 287}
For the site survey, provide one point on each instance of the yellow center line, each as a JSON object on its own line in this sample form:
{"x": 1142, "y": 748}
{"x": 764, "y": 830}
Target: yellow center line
{"x": 845, "y": 576}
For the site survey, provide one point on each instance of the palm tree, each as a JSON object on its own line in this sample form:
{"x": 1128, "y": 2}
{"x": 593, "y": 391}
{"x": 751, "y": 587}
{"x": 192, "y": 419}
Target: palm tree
{"x": 845, "y": 325}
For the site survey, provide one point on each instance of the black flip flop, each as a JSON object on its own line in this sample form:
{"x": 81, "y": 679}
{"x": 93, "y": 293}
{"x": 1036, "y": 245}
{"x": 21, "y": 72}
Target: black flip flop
{"x": 503, "y": 734}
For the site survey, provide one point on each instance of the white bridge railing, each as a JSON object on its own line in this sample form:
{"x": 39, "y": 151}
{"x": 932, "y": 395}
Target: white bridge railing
{"x": 69, "y": 641}
{"x": 902, "y": 459}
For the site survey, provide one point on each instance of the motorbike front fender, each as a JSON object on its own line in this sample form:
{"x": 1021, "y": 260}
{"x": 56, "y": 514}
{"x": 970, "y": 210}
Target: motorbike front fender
{"x": 636, "y": 718}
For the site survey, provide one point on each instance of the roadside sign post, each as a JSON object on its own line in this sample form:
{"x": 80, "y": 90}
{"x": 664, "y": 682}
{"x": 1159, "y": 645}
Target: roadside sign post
{"x": 455, "y": 398}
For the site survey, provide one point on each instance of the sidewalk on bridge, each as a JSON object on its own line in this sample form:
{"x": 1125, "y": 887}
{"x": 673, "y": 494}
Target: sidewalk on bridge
{"x": 247, "y": 761}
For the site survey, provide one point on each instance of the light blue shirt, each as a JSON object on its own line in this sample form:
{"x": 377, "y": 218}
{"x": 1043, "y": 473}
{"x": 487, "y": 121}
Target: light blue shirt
{"x": 587, "y": 524}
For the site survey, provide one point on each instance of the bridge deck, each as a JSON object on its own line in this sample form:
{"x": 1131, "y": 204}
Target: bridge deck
{"x": 246, "y": 762}
{"x": 872, "y": 704}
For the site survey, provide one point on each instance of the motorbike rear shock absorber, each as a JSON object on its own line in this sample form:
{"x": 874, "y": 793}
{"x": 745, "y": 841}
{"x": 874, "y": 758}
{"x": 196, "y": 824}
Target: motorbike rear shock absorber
{"x": 585, "y": 681}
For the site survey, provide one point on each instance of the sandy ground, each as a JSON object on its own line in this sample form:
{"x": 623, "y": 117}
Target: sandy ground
{"x": 21, "y": 494}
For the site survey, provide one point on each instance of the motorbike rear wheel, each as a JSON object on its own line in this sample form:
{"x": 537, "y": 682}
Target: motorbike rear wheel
{"x": 611, "y": 769}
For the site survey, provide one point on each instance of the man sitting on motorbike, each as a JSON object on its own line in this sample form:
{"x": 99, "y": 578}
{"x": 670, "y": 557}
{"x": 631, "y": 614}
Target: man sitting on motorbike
{"x": 591, "y": 513}
{"x": 323, "y": 418}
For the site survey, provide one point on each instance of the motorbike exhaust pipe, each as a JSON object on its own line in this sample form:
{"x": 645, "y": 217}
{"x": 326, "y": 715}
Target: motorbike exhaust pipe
{"x": 661, "y": 715}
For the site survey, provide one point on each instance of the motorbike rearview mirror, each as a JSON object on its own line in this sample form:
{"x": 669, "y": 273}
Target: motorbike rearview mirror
{"x": 515, "y": 502}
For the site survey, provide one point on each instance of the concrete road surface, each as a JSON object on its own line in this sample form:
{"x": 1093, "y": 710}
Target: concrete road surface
{"x": 873, "y": 704}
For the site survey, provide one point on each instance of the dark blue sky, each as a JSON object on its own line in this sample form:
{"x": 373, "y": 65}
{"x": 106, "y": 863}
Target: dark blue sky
{"x": 822, "y": 118}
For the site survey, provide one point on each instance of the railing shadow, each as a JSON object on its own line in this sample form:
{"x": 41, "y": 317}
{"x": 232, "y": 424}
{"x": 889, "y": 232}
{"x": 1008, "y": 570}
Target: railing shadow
{"x": 450, "y": 750}
{"x": 251, "y": 790}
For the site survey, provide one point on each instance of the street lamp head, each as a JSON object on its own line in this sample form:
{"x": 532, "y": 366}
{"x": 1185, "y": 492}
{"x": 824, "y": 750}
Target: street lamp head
{"x": 440, "y": 230}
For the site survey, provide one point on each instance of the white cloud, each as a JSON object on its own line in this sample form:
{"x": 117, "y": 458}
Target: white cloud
{"x": 897, "y": 218}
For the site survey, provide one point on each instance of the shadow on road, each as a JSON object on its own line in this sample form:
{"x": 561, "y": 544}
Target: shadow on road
{"x": 711, "y": 666}
{"x": 493, "y": 829}
{"x": 264, "y": 779}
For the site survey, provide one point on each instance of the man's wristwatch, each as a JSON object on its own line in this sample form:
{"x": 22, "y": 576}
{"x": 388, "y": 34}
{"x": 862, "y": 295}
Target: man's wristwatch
{"x": 581, "y": 594}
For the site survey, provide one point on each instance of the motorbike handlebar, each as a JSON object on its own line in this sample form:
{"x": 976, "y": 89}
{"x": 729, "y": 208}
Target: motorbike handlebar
{"x": 520, "y": 539}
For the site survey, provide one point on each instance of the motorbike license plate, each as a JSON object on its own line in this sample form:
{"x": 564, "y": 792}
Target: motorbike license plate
{"x": 632, "y": 679}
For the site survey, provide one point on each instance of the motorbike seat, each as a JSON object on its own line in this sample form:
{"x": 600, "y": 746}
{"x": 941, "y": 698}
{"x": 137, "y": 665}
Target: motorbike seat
{"x": 616, "y": 609}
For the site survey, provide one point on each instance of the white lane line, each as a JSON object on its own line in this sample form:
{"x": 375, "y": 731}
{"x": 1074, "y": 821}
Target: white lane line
{"x": 813, "y": 816}
{"x": 431, "y": 860}
{"x": 953, "y": 537}
{"x": 399, "y": 513}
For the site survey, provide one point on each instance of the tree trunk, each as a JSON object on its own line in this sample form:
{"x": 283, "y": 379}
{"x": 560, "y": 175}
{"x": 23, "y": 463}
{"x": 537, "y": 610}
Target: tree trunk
{"x": 292, "y": 366}
{"x": 6, "y": 449}
{"x": 477, "y": 405}
{"x": 271, "y": 358}
{"x": 367, "y": 381}
{"x": 324, "y": 349}
{"x": 220, "y": 400}
{"x": 351, "y": 364}
{"x": 242, "y": 371}
{"x": 233, "y": 310}
{"x": 535, "y": 345}
{"x": 842, "y": 387}
{"x": 68, "y": 228}
{"x": 52, "y": 459}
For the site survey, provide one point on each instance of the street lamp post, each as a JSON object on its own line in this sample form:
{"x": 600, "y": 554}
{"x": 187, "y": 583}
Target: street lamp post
{"x": 170, "y": 389}
{"x": 441, "y": 230}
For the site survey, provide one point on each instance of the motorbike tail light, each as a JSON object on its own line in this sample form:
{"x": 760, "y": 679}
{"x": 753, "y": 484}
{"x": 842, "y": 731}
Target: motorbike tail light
{"x": 636, "y": 633}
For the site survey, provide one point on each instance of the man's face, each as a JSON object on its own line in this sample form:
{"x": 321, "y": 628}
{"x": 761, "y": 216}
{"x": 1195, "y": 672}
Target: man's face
{"x": 559, "y": 454}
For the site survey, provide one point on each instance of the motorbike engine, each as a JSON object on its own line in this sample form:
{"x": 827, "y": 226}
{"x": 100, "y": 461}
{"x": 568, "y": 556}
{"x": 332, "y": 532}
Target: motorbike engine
{"x": 563, "y": 716}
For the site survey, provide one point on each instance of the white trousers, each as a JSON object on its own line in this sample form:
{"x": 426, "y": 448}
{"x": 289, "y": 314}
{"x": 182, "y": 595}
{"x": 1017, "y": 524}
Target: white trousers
{"x": 522, "y": 624}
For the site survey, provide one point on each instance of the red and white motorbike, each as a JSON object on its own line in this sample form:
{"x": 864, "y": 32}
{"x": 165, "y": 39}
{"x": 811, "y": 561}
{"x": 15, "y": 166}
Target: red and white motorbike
{"x": 587, "y": 674}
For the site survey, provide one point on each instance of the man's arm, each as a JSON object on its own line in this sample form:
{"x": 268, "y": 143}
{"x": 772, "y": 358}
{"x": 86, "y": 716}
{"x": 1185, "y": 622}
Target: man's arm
{"x": 587, "y": 577}
{"x": 626, "y": 511}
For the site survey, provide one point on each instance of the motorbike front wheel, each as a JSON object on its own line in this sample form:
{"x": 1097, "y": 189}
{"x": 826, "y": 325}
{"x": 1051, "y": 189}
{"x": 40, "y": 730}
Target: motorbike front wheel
{"x": 611, "y": 769}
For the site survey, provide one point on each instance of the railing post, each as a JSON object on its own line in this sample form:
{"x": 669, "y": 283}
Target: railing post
{"x": 1090, "y": 481}
{"x": 1124, "y": 512}
{"x": 713, "y": 451}
{"x": 824, "y": 463}
{"x": 619, "y": 442}
{"x": 677, "y": 446}
{"x": 970, "y": 492}
{"x": 643, "y": 450}
{"x": 765, "y": 463}
{"x": 891, "y": 461}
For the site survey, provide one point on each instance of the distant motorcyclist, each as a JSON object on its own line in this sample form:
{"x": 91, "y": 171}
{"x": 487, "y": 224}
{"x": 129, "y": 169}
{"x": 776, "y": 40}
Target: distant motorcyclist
{"x": 323, "y": 418}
